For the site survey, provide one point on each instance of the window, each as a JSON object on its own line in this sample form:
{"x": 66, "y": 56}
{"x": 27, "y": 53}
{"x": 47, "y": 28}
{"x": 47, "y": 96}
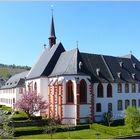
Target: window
{"x": 30, "y": 87}
{"x": 21, "y": 90}
{"x": 133, "y": 88}
{"x": 139, "y": 103}
{"x": 83, "y": 91}
{"x": 13, "y": 100}
{"x": 100, "y": 90}
{"x": 126, "y": 88}
{"x": 35, "y": 88}
{"x": 134, "y": 102}
{"x": 139, "y": 88}
{"x": 98, "y": 107}
{"x": 127, "y": 103}
{"x": 120, "y": 105}
{"x": 119, "y": 88}
{"x": 109, "y": 90}
{"x": 109, "y": 107}
{"x": 69, "y": 92}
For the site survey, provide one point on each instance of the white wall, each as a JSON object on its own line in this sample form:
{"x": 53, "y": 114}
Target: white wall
{"x": 70, "y": 111}
{"x": 9, "y": 95}
{"x": 114, "y": 100}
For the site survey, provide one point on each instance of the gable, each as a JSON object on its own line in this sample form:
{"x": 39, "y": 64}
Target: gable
{"x": 46, "y": 62}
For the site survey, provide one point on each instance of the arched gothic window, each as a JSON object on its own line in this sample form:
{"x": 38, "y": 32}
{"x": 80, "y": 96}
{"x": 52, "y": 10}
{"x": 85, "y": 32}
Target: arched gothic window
{"x": 100, "y": 90}
{"x": 69, "y": 92}
{"x": 83, "y": 91}
{"x": 35, "y": 88}
{"x": 109, "y": 90}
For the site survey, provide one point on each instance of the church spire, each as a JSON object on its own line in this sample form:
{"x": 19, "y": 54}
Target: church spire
{"x": 52, "y": 38}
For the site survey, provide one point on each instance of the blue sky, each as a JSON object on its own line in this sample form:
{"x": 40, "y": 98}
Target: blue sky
{"x": 110, "y": 28}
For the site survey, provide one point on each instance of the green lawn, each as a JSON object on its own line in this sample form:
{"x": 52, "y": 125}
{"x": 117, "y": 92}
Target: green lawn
{"x": 103, "y": 132}
{"x": 82, "y": 134}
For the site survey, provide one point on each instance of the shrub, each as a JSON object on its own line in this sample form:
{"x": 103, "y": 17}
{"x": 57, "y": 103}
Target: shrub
{"x": 39, "y": 130}
{"x": 84, "y": 126}
{"x": 27, "y": 132}
{"x": 8, "y": 112}
{"x": 19, "y": 116}
{"x": 132, "y": 119}
{"x": 108, "y": 118}
{"x": 16, "y": 112}
{"x": 118, "y": 122}
{"x": 36, "y": 117}
{"x": 6, "y": 108}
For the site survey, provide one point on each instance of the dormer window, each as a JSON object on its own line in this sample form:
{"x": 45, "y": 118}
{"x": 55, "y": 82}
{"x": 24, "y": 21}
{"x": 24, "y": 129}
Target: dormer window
{"x": 133, "y": 75}
{"x": 121, "y": 64}
{"x": 119, "y": 74}
{"x": 134, "y": 65}
{"x": 98, "y": 71}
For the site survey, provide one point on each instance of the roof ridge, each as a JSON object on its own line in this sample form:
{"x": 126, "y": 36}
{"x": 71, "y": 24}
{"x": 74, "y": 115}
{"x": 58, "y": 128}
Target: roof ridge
{"x": 110, "y": 73}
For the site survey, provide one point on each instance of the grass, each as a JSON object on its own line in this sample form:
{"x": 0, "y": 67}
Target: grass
{"x": 28, "y": 128}
{"x": 104, "y": 132}
{"x": 82, "y": 134}
{"x": 6, "y": 108}
{"x": 20, "y": 116}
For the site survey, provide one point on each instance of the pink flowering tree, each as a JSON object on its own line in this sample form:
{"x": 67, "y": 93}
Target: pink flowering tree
{"x": 31, "y": 103}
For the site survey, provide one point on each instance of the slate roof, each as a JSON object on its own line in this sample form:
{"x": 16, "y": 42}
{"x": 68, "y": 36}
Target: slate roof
{"x": 94, "y": 62}
{"x": 46, "y": 62}
{"x": 2, "y": 81}
{"x": 67, "y": 63}
{"x": 17, "y": 80}
{"x": 108, "y": 66}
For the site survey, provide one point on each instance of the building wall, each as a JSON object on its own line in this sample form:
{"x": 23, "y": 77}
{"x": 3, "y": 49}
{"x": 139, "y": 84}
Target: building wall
{"x": 42, "y": 89}
{"x": 70, "y": 110}
{"x": 10, "y": 96}
{"x": 114, "y": 100}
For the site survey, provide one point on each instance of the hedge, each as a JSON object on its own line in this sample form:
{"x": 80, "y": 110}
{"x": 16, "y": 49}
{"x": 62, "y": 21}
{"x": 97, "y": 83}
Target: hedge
{"x": 29, "y": 123}
{"x": 39, "y": 130}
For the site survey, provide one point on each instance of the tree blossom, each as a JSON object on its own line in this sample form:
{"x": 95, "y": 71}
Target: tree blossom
{"x": 31, "y": 103}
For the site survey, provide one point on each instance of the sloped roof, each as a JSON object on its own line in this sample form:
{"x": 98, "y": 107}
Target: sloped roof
{"x": 2, "y": 81}
{"x": 94, "y": 62}
{"x": 108, "y": 66}
{"x": 115, "y": 68}
{"x": 16, "y": 81}
{"x": 67, "y": 63}
{"x": 46, "y": 62}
